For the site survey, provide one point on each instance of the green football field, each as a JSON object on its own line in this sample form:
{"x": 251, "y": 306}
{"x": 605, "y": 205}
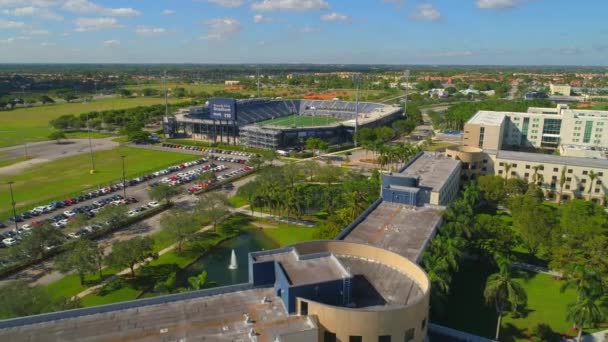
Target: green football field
{"x": 299, "y": 121}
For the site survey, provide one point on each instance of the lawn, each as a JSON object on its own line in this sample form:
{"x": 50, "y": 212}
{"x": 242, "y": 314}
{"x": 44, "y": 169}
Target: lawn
{"x": 300, "y": 121}
{"x": 286, "y": 234}
{"x": 437, "y": 146}
{"x": 60, "y": 178}
{"x": 546, "y": 304}
{"x": 238, "y": 201}
{"x": 8, "y": 162}
{"x": 32, "y": 124}
{"x": 84, "y": 135}
{"x": 121, "y": 294}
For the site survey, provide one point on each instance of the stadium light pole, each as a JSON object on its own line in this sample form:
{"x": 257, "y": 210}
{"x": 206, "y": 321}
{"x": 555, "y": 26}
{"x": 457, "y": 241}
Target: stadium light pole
{"x": 124, "y": 185}
{"x": 90, "y": 145}
{"x": 13, "y": 203}
{"x": 357, "y": 79}
{"x": 407, "y": 87}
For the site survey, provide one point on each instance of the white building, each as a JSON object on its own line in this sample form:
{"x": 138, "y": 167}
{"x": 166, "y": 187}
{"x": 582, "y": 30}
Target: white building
{"x": 560, "y": 89}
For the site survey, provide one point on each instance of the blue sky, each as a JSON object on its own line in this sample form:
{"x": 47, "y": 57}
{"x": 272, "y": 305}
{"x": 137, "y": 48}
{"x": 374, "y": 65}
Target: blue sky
{"x": 511, "y": 32}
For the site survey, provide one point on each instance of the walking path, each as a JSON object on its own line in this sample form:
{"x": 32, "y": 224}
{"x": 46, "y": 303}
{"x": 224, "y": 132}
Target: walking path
{"x": 537, "y": 269}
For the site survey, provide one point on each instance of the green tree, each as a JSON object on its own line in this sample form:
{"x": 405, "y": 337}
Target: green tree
{"x": 18, "y": 298}
{"x": 492, "y": 187}
{"x": 38, "y": 241}
{"x": 57, "y": 135}
{"x": 588, "y": 309}
{"x": 214, "y": 206}
{"x": 533, "y": 220}
{"x": 129, "y": 253}
{"x": 504, "y": 293}
{"x": 256, "y": 161}
{"x": 81, "y": 258}
{"x": 200, "y": 282}
{"x": 562, "y": 181}
{"x": 112, "y": 215}
{"x": 179, "y": 224}
{"x": 125, "y": 92}
{"x": 163, "y": 192}
{"x": 138, "y": 136}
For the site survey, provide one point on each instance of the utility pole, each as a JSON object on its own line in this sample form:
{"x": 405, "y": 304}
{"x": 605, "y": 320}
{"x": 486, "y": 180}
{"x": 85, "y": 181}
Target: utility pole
{"x": 124, "y": 185}
{"x": 10, "y": 185}
{"x": 90, "y": 146}
{"x": 407, "y": 87}
{"x": 166, "y": 118}
{"x": 357, "y": 79}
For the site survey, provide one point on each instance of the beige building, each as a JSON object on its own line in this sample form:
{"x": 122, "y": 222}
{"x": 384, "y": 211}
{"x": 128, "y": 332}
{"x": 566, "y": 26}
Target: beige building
{"x": 537, "y": 128}
{"x": 584, "y": 178}
{"x": 560, "y": 89}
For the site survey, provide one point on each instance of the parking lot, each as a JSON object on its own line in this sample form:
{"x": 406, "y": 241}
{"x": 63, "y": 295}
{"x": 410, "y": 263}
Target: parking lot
{"x": 135, "y": 196}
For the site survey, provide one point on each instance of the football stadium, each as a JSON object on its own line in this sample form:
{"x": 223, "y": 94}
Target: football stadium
{"x": 278, "y": 123}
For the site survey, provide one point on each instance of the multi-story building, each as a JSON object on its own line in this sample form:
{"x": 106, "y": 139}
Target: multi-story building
{"x": 537, "y": 128}
{"x": 560, "y": 89}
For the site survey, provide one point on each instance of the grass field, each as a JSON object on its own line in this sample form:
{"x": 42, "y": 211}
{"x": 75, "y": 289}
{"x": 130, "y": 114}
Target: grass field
{"x": 60, "y": 178}
{"x": 32, "y": 123}
{"x": 300, "y": 121}
{"x": 546, "y": 304}
{"x": 285, "y": 234}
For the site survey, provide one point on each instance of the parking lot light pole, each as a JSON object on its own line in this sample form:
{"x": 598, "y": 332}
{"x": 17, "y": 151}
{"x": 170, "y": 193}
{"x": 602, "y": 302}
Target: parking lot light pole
{"x": 13, "y": 203}
{"x": 124, "y": 185}
{"x": 90, "y": 146}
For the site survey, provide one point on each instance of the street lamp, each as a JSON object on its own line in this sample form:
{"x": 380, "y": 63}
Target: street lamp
{"x": 124, "y": 185}
{"x": 13, "y": 203}
{"x": 90, "y": 146}
{"x": 407, "y": 87}
{"x": 357, "y": 79}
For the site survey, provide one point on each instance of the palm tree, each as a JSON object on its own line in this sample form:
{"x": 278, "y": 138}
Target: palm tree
{"x": 586, "y": 310}
{"x": 199, "y": 282}
{"x": 504, "y": 292}
{"x": 562, "y": 181}
{"x": 438, "y": 270}
{"x": 536, "y": 168}
{"x": 449, "y": 248}
{"x": 592, "y": 176}
{"x": 508, "y": 167}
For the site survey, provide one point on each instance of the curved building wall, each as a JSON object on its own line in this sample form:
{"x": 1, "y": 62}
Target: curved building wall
{"x": 475, "y": 162}
{"x": 401, "y": 322}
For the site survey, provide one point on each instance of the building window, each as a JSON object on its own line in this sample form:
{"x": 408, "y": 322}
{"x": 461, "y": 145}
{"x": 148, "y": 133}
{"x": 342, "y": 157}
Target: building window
{"x": 567, "y": 187}
{"x": 501, "y": 164}
{"x": 584, "y": 180}
{"x": 304, "y": 308}
{"x": 585, "y": 172}
{"x": 384, "y": 338}
{"x": 588, "y": 128}
{"x": 500, "y": 172}
{"x": 599, "y": 182}
{"x": 582, "y": 188}
{"x": 329, "y": 337}
{"x": 554, "y": 178}
{"x": 484, "y": 169}
{"x": 597, "y": 190}
{"x": 513, "y": 173}
{"x": 568, "y": 179}
{"x": 355, "y": 339}
{"x": 514, "y": 165}
{"x": 485, "y": 161}
{"x": 569, "y": 170}
{"x": 423, "y": 324}
{"x": 600, "y": 174}
{"x": 526, "y": 175}
{"x": 409, "y": 335}
{"x": 482, "y": 133}
{"x": 527, "y": 167}
{"x": 555, "y": 169}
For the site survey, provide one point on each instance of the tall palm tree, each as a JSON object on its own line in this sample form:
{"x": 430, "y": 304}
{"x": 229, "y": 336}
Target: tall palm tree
{"x": 438, "y": 271}
{"x": 508, "y": 167}
{"x": 536, "y": 168}
{"x": 592, "y": 176}
{"x": 562, "y": 181}
{"x": 504, "y": 292}
{"x": 449, "y": 248}
{"x": 589, "y": 309}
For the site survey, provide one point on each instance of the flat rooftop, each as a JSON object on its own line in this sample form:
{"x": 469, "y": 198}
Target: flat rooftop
{"x": 405, "y": 230}
{"x": 301, "y": 271}
{"x": 433, "y": 170}
{"x": 488, "y": 118}
{"x": 213, "y": 318}
{"x": 553, "y": 159}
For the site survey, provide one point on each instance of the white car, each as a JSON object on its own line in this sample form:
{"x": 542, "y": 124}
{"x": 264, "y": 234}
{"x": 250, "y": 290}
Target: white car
{"x": 132, "y": 213}
{"x": 74, "y": 235}
{"x": 26, "y": 227}
{"x": 69, "y": 213}
{"x": 63, "y": 222}
{"x": 56, "y": 225}
{"x": 9, "y": 242}
{"x": 153, "y": 204}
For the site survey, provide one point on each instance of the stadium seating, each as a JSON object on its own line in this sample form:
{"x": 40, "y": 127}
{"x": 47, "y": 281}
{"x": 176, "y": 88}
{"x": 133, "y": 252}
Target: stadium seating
{"x": 256, "y": 110}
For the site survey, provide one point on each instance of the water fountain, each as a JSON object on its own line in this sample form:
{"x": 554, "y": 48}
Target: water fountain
{"x": 233, "y": 264}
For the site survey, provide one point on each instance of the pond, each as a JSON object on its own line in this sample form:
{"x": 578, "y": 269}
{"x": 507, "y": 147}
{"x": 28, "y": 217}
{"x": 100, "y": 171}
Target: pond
{"x": 216, "y": 262}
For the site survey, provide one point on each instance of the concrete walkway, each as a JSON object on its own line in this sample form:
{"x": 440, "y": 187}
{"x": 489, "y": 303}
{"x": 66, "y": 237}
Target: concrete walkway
{"x": 537, "y": 269}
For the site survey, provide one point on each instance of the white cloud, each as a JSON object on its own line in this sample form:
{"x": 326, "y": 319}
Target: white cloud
{"x": 84, "y": 6}
{"x": 227, "y": 3}
{"x": 222, "y": 28}
{"x": 309, "y": 29}
{"x": 334, "y": 17}
{"x": 34, "y": 12}
{"x": 7, "y": 41}
{"x": 290, "y": 5}
{"x": 111, "y": 43}
{"x": 260, "y": 18}
{"x": 46, "y": 44}
{"x": 426, "y": 12}
{"x": 23, "y": 3}
{"x": 448, "y": 53}
{"x": 95, "y": 24}
{"x": 36, "y": 32}
{"x": 150, "y": 31}
{"x": 168, "y": 12}
{"x": 9, "y": 24}
{"x": 497, "y": 4}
